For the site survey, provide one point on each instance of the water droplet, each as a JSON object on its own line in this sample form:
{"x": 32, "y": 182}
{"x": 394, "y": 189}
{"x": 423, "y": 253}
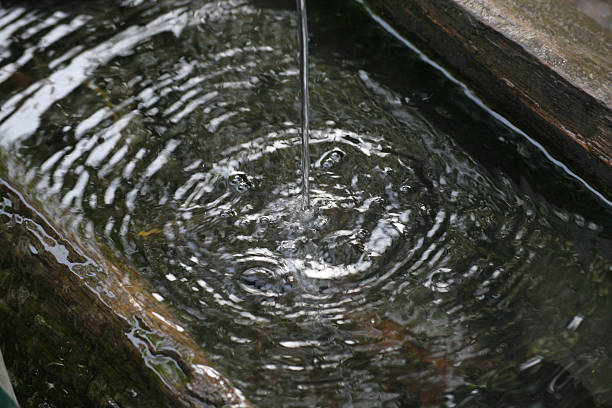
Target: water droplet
{"x": 330, "y": 159}
{"x": 228, "y": 212}
{"x": 240, "y": 183}
{"x": 265, "y": 282}
{"x": 364, "y": 107}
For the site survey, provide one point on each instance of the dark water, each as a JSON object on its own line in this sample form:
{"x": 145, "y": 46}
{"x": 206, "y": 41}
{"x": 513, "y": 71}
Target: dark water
{"x": 446, "y": 261}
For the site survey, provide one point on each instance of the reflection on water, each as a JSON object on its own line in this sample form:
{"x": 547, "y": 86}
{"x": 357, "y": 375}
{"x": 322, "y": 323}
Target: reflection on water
{"x": 445, "y": 261}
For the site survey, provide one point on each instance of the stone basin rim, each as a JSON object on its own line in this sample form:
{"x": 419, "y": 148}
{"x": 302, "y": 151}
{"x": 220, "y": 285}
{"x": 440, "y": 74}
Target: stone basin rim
{"x": 565, "y": 110}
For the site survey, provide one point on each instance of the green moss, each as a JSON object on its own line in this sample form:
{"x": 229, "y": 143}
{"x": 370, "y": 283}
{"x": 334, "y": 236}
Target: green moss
{"x": 49, "y": 350}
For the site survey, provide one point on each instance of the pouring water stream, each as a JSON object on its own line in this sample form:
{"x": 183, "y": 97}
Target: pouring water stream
{"x": 303, "y": 50}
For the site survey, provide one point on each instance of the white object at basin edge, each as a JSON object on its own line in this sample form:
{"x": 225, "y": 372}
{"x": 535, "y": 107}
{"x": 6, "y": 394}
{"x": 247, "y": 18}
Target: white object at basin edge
{"x": 5, "y": 383}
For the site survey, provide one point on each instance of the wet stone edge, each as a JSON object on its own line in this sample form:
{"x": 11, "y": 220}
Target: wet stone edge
{"x": 76, "y": 316}
{"x": 499, "y": 52}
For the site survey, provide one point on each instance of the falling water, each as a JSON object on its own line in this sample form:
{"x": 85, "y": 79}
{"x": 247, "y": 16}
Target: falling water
{"x": 303, "y": 49}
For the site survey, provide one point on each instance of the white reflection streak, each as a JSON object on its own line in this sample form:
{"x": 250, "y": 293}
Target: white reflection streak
{"x": 7, "y": 108}
{"x": 45, "y": 168}
{"x": 151, "y": 169}
{"x": 382, "y": 237}
{"x": 62, "y": 30}
{"x": 439, "y": 219}
{"x": 8, "y": 70}
{"x": 162, "y": 158}
{"x": 98, "y": 116}
{"x": 50, "y": 162}
{"x": 91, "y": 122}
{"x": 7, "y": 32}
{"x": 176, "y": 105}
{"x": 24, "y": 122}
{"x": 69, "y": 54}
{"x": 300, "y": 343}
{"x": 166, "y": 321}
{"x": 81, "y": 147}
{"x": 216, "y": 122}
{"x": 51, "y": 37}
{"x": 13, "y": 14}
{"x": 129, "y": 168}
{"x": 191, "y": 106}
{"x": 109, "y": 194}
{"x": 77, "y": 192}
{"x": 46, "y": 23}
{"x": 235, "y": 51}
{"x": 111, "y": 137}
{"x": 116, "y": 158}
{"x": 182, "y": 190}
{"x": 202, "y": 188}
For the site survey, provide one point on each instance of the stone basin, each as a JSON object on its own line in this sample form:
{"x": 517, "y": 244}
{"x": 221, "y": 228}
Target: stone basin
{"x": 84, "y": 317}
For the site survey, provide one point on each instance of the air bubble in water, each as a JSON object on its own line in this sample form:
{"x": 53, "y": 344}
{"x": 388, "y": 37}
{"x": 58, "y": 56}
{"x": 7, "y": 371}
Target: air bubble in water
{"x": 263, "y": 281}
{"x": 331, "y": 158}
{"x": 240, "y": 183}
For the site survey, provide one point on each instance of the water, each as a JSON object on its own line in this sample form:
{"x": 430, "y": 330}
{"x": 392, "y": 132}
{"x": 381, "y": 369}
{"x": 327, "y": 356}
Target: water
{"x": 445, "y": 262}
{"x": 303, "y": 51}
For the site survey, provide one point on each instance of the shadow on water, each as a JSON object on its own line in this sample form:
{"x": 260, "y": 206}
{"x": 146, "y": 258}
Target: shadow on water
{"x": 446, "y": 263}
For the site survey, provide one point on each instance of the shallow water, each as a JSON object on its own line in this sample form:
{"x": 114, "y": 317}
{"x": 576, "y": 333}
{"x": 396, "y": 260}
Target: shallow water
{"x": 445, "y": 262}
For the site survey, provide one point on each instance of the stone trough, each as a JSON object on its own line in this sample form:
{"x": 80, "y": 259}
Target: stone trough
{"x": 544, "y": 65}
{"x": 79, "y": 315}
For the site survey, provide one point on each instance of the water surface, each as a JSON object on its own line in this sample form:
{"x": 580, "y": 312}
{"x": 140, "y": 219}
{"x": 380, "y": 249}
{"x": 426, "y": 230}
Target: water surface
{"x": 445, "y": 262}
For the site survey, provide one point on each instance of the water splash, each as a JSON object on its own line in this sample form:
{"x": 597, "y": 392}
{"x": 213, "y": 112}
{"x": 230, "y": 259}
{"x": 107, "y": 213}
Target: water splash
{"x": 303, "y": 49}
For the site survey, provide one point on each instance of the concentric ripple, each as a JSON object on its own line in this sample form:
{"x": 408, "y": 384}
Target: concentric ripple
{"x": 444, "y": 262}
